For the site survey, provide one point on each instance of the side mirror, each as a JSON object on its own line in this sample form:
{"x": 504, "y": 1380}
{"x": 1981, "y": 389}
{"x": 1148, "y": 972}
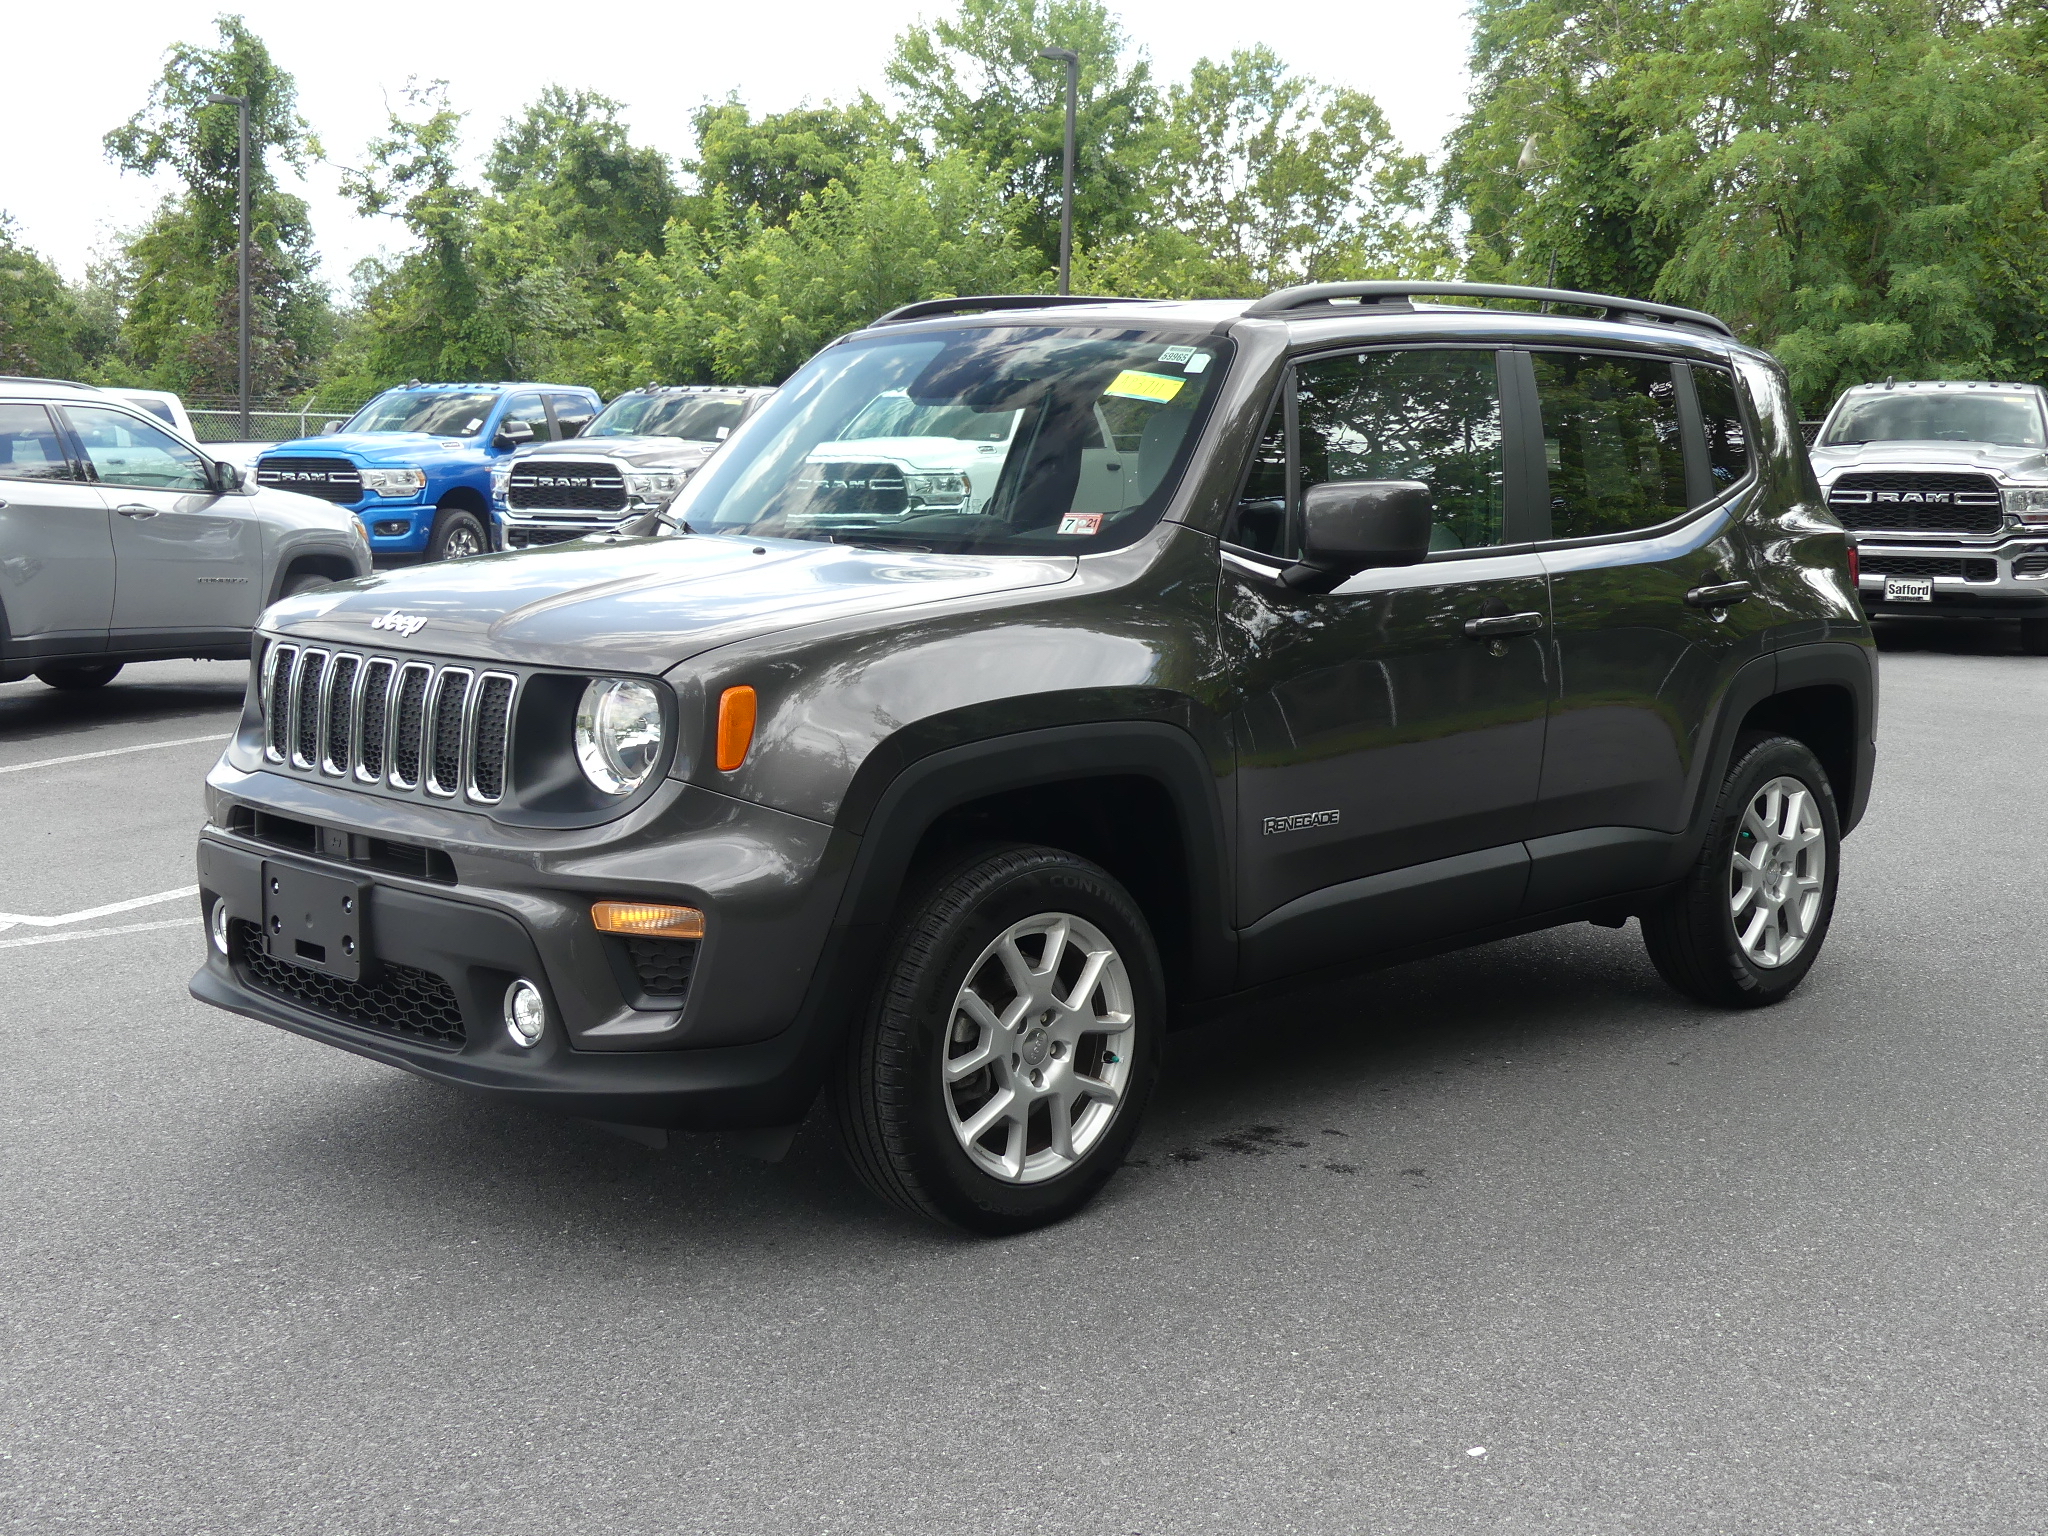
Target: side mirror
{"x": 512, "y": 433}
{"x": 329, "y": 428}
{"x": 225, "y": 476}
{"x": 1354, "y": 525}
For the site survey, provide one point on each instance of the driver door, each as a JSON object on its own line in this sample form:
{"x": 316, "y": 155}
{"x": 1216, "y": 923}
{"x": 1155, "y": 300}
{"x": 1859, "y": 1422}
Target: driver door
{"x": 186, "y": 558}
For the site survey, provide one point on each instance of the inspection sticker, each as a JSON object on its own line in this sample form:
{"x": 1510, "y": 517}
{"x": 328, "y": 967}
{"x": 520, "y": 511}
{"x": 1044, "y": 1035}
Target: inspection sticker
{"x": 1144, "y": 386}
{"x": 1081, "y": 522}
{"x": 1176, "y": 354}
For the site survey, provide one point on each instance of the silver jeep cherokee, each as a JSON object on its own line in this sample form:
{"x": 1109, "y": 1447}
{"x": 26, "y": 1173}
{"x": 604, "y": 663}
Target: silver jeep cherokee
{"x": 120, "y": 541}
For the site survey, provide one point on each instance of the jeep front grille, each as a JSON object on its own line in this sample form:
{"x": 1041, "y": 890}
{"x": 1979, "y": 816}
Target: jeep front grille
{"x": 406, "y": 725}
{"x": 1918, "y": 503}
{"x": 566, "y": 485}
{"x": 335, "y": 480}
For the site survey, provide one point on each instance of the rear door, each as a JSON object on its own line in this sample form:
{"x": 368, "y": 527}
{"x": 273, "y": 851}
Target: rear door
{"x": 189, "y": 560}
{"x": 56, "y": 549}
{"x": 1646, "y": 466}
{"x": 1378, "y": 732}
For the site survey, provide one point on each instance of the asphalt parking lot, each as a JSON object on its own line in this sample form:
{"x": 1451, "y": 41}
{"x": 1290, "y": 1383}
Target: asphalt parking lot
{"x": 1513, "y": 1240}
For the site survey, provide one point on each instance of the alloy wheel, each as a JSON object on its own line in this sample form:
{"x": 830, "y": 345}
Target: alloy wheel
{"x": 1037, "y": 1055}
{"x": 1777, "y": 873}
{"x": 462, "y": 544}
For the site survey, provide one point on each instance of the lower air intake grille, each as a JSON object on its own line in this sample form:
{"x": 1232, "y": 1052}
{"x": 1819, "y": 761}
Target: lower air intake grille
{"x": 535, "y": 538}
{"x": 2031, "y": 565}
{"x": 405, "y": 1001}
{"x": 664, "y": 966}
{"x": 1930, "y": 565}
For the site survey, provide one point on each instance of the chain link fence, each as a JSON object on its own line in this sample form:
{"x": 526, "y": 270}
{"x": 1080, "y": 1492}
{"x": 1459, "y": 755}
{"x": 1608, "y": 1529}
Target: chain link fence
{"x": 225, "y": 426}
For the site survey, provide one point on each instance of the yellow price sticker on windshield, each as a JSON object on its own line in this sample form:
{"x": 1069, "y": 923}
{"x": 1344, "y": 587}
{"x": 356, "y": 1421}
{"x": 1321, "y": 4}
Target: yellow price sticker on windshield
{"x": 1145, "y": 386}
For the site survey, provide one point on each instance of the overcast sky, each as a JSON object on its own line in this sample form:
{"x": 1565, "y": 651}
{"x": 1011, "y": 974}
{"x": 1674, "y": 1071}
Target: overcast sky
{"x": 73, "y": 74}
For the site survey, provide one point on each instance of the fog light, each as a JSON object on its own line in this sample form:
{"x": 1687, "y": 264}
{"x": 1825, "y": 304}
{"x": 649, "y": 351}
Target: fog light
{"x": 217, "y": 926}
{"x": 393, "y": 528}
{"x": 526, "y": 1016}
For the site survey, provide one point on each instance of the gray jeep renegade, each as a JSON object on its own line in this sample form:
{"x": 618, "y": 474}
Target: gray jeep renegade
{"x": 1232, "y": 643}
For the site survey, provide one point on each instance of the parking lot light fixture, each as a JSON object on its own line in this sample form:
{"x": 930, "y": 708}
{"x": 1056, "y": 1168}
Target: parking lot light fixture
{"x": 1072, "y": 60}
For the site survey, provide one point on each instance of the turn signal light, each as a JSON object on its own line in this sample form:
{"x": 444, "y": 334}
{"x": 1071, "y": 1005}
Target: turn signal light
{"x": 647, "y": 920}
{"x": 736, "y": 707}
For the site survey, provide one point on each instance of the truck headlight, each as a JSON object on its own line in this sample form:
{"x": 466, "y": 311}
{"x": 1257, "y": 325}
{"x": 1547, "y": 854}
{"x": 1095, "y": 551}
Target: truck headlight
{"x": 501, "y": 481}
{"x": 937, "y": 490}
{"x": 655, "y": 487}
{"x": 618, "y": 733}
{"x": 2028, "y": 503}
{"x": 395, "y": 482}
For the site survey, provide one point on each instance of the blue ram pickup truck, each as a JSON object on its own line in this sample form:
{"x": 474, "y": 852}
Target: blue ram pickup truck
{"x": 415, "y": 463}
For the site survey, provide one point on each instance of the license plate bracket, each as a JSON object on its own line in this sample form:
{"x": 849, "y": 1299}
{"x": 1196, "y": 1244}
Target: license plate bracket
{"x": 1909, "y": 589}
{"x": 313, "y": 920}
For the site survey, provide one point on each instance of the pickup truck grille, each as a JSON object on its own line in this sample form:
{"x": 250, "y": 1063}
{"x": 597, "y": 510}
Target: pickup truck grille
{"x": 334, "y": 480}
{"x": 406, "y": 725}
{"x": 566, "y": 485}
{"x": 1918, "y": 503}
{"x": 1983, "y": 569}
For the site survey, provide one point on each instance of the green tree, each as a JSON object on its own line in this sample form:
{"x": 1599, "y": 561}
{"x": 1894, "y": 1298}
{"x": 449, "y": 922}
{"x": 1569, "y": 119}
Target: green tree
{"x": 569, "y": 154}
{"x": 744, "y": 300}
{"x": 179, "y": 325}
{"x": 974, "y": 82}
{"x": 774, "y": 162}
{"x": 1859, "y": 185}
{"x": 38, "y": 315}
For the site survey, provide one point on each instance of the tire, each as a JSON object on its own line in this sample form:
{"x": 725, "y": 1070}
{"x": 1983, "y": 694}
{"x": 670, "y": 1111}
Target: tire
{"x": 1721, "y": 939}
{"x": 312, "y": 581}
{"x": 457, "y": 535}
{"x": 908, "y": 1132}
{"x": 2034, "y": 636}
{"x": 79, "y": 678}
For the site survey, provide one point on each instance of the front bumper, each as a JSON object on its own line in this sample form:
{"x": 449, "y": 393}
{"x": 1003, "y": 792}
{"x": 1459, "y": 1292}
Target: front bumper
{"x": 746, "y": 1047}
{"x": 2005, "y": 580}
{"x": 532, "y": 530}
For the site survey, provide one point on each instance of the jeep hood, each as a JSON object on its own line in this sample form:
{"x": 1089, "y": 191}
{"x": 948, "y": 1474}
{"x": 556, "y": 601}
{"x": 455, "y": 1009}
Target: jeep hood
{"x": 640, "y": 452}
{"x": 2022, "y": 463}
{"x": 642, "y": 605}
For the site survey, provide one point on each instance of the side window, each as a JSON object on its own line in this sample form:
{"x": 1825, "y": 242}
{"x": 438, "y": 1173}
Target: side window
{"x": 1260, "y": 521}
{"x": 1611, "y": 441}
{"x": 125, "y": 450}
{"x": 29, "y": 446}
{"x": 1432, "y": 416}
{"x": 1727, "y": 430}
{"x": 527, "y": 408}
{"x": 572, "y": 414}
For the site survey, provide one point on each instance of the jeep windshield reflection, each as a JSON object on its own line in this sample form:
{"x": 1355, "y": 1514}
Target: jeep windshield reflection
{"x": 1921, "y": 416}
{"x": 1004, "y": 439}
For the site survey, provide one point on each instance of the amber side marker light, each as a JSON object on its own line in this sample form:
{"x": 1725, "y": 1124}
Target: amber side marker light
{"x": 646, "y": 920}
{"x": 736, "y": 708}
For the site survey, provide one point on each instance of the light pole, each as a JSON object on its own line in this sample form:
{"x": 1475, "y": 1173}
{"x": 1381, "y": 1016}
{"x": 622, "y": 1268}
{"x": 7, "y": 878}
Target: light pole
{"x": 1072, "y": 60}
{"x": 241, "y": 106}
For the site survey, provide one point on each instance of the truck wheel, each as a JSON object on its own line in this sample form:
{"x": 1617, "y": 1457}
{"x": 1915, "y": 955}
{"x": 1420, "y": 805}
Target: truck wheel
{"x": 457, "y": 535}
{"x": 2034, "y": 636}
{"x": 1749, "y": 921}
{"x": 998, "y": 1079}
{"x": 95, "y": 675}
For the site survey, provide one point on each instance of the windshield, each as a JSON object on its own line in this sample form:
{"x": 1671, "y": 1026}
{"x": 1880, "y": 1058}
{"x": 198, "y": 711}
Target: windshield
{"x": 2010, "y": 421}
{"x": 1006, "y": 439}
{"x": 692, "y": 416}
{"x": 435, "y": 412}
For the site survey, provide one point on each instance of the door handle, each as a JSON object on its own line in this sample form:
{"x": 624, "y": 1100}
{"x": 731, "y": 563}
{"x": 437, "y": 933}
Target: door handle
{"x": 1719, "y": 595}
{"x": 135, "y": 509}
{"x": 1500, "y": 625}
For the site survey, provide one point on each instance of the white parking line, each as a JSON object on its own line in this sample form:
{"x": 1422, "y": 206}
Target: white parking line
{"x": 98, "y": 933}
{"x": 22, "y": 920}
{"x": 80, "y": 757}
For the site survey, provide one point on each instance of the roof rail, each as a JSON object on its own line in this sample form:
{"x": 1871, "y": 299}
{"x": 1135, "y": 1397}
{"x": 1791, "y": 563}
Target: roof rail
{"x": 24, "y": 378}
{"x": 926, "y": 309}
{"x": 1390, "y": 294}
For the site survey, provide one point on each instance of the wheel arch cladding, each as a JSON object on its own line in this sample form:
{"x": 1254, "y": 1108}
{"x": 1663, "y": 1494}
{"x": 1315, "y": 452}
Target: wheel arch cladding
{"x": 333, "y": 567}
{"x": 1139, "y": 798}
{"x": 1822, "y": 718}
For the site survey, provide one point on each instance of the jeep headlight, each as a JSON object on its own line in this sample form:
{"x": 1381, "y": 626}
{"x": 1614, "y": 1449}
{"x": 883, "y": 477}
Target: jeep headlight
{"x": 2028, "y": 503}
{"x": 395, "y": 482}
{"x": 655, "y": 487}
{"x": 618, "y": 733}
